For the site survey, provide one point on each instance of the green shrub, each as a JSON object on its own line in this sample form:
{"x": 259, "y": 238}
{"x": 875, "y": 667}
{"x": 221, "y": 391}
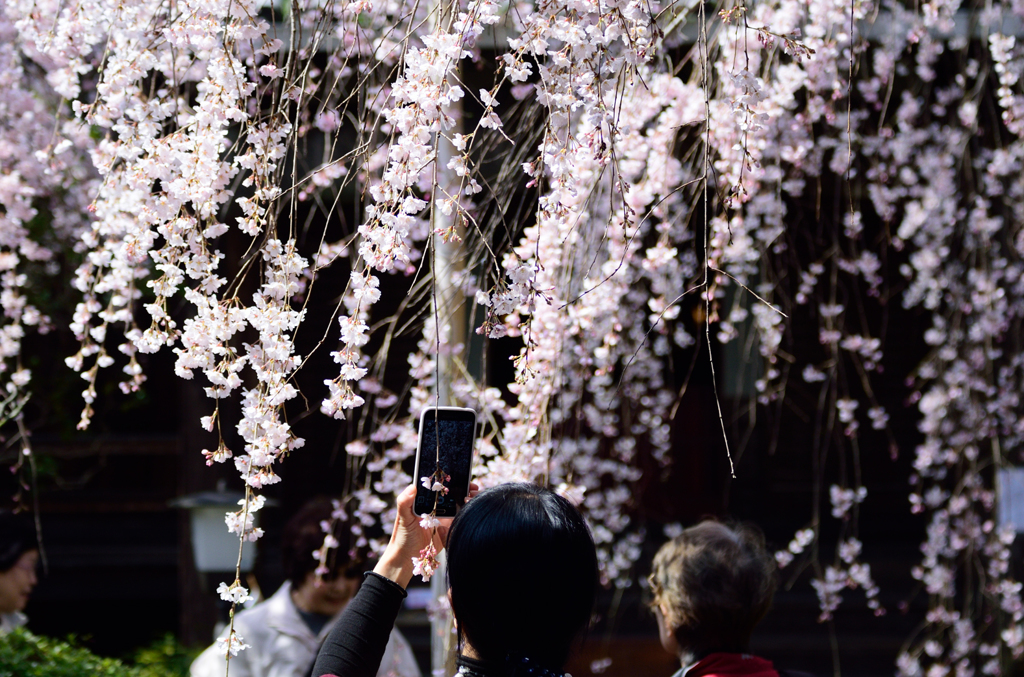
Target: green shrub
{"x": 23, "y": 654}
{"x": 165, "y": 657}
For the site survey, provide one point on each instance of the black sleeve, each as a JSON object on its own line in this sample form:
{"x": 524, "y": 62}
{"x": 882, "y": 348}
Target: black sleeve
{"x": 356, "y": 645}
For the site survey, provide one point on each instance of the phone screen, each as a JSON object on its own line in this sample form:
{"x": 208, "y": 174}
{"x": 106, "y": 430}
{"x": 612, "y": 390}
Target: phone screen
{"x": 445, "y": 444}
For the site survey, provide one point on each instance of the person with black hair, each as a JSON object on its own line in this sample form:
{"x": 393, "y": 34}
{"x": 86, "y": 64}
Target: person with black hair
{"x": 19, "y": 557}
{"x": 522, "y": 577}
{"x": 285, "y": 631}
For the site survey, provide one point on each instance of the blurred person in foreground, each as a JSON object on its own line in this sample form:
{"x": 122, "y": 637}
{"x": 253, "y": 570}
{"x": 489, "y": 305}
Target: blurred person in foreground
{"x": 19, "y": 557}
{"x": 285, "y": 631}
{"x": 712, "y": 584}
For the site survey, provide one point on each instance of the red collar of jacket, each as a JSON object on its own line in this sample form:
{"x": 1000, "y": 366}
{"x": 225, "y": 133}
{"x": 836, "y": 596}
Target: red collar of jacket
{"x": 731, "y": 665}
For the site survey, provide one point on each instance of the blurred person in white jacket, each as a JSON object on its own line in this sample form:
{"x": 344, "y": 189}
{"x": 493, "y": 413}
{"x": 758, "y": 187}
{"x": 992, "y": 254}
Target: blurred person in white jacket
{"x": 285, "y": 631}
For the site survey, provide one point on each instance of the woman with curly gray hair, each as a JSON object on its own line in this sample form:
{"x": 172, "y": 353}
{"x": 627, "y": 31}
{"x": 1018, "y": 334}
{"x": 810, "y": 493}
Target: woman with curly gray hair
{"x": 712, "y": 584}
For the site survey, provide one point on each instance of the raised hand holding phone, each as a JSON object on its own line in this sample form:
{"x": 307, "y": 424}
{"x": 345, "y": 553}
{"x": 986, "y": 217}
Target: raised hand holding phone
{"x": 444, "y": 461}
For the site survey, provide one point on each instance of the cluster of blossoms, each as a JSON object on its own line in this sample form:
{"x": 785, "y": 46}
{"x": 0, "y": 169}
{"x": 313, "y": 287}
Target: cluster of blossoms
{"x": 231, "y": 644}
{"x": 322, "y": 554}
{"x": 167, "y": 102}
{"x": 966, "y": 389}
{"x": 425, "y": 564}
{"x": 46, "y": 185}
{"x": 243, "y": 521}
{"x": 906, "y": 151}
{"x": 436, "y": 482}
{"x": 234, "y": 593}
{"x": 846, "y": 572}
{"x": 421, "y": 108}
{"x": 801, "y": 540}
{"x": 601, "y": 249}
{"x": 173, "y": 138}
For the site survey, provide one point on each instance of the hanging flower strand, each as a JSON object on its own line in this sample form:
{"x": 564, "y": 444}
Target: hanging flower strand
{"x": 425, "y": 564}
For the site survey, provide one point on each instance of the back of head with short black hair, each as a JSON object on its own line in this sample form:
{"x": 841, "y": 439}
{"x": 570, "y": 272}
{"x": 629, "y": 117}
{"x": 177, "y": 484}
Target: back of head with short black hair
{"x": 17, "y": 536}
{"x": 303, "y": 536}
{"x": 522, "y": 573}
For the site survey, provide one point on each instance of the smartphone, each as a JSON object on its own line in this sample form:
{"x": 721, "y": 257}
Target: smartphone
{"x": 445, "y": 450}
